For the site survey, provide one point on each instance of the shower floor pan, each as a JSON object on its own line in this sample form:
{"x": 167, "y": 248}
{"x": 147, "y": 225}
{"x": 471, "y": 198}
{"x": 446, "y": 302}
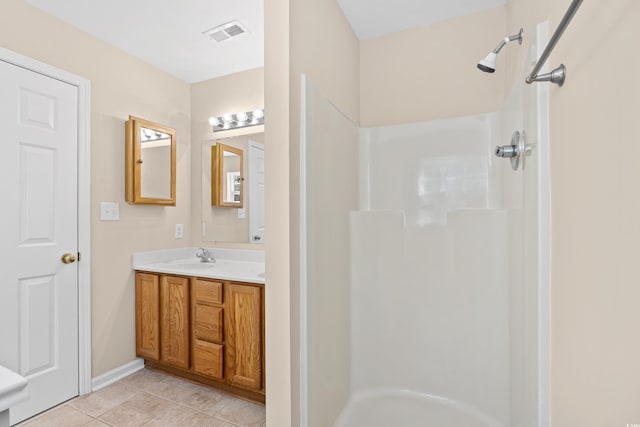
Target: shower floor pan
{"x": 388, "y": 407}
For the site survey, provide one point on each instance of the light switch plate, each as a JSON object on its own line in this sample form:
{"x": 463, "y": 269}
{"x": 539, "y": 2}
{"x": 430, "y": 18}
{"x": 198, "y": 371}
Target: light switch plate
{"x": 109, "y": 211}
{"x": 179, "y": 231}
{"x": 241, "y": 213}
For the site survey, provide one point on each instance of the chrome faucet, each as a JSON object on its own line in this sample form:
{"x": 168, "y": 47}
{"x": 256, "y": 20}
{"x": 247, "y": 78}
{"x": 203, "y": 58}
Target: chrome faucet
{"x": 205, "y": 255}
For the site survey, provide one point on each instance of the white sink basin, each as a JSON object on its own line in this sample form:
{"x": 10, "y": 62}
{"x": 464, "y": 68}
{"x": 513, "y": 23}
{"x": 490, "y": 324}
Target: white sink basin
{"x": 193, "y": 265}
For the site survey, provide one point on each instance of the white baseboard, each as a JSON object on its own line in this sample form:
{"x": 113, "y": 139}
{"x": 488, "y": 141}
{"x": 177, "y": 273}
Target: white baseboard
{"x": 116, "y": 374}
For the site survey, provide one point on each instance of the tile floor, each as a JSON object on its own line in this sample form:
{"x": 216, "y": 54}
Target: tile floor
{"x": 153, "y": 399}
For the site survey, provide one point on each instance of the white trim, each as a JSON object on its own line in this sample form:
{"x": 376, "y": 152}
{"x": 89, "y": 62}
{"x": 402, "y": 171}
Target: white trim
{"x": 304, "y": 380}
{"x": 116, "y": 374}
{"x": 544, "y": 240}
{"x": 253, "y": 148}
{"x": 84, "y": 203}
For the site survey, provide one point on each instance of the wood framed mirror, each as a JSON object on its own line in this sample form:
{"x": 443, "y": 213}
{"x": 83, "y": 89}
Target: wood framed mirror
{"x": 227, "y": 179}
{"x": 150, "y": 163}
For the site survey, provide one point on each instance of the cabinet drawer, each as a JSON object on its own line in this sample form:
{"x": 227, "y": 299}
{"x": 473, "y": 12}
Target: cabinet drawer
{"x": 208, "y": 359}
{"x": 208, "y": 323}
{"x": 207, "y": 291}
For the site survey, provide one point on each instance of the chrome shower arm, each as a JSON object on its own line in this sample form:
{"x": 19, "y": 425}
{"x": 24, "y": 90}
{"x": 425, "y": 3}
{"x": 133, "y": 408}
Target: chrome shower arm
{"x": 508, "y": 39}
{"x": 500, "y": 46}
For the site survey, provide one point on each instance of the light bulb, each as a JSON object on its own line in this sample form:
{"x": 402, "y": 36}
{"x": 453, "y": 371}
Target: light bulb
{"x": 258, "y": 113}
{"x": 214, "y": 121}
{"x": 242, "y": 117}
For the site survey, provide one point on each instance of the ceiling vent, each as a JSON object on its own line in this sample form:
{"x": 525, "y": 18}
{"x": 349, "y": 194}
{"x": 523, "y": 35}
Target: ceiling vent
{"x": 226, "y": 31}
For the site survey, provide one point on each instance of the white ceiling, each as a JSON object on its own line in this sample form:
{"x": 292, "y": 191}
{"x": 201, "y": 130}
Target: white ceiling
{"x": 375, "y": 18}
{"x": 168, "y": 33}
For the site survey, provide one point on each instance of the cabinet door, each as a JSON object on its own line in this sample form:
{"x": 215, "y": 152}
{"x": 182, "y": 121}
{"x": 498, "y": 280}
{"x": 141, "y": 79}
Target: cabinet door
{"x": 148, "y": 316}
{"x": 244, "y": 336}
{"x": 174, "y": 333}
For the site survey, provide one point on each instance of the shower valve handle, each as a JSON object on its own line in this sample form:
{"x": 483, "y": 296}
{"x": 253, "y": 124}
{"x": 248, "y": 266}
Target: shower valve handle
{"x": 515, "y": 151}
{"x": 507, "y": 151}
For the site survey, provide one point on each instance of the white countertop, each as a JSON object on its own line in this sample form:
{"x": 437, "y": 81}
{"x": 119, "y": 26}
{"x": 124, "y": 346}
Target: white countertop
{"x": 231, "y": 264}
{"x": 11, "y": 388}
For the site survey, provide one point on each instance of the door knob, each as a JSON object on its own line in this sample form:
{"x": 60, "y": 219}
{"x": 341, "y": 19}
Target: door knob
{"x": 68, "y": 258}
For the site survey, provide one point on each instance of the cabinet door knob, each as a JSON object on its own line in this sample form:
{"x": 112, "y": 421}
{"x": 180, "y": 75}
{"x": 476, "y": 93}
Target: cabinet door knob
{"x": 256, "y": 237}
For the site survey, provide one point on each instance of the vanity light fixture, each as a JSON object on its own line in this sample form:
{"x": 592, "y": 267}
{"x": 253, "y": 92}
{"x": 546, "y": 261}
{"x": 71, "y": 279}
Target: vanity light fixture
{"x": 237, "y": 120}
{"x": 150, "y": 135}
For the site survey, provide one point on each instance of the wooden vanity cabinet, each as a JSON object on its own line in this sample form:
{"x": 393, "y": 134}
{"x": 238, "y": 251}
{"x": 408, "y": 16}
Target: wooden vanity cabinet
{"x": 204, "y": 329}
{"x": 148, "y": 316}
{"x": 244, "y": 336}
{"x": 162, "y": 319}
{"x": 208, "y": 328}
{"x": 174, "y": 326}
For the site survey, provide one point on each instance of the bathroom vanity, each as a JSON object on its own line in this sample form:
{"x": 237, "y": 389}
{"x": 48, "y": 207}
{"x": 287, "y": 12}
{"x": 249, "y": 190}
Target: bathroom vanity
{"x": 204, "y": 321}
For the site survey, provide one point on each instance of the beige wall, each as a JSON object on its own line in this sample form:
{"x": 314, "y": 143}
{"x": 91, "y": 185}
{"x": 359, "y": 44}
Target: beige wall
{"x": 277, "y": 293}
{"x": 242, "y": 91}
{"x": 120, "y": 85}
{"x": 430, "y": 72}
{"x": 525, "y": 14}
{"x": 324, "y": 47}
{"x": 594, "y": 367}
{"x": 297, "y": 41}
{"x": 595, "y": 374}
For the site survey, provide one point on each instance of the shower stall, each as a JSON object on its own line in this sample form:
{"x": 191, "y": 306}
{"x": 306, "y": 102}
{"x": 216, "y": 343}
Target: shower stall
{"x": 424, "y": 268}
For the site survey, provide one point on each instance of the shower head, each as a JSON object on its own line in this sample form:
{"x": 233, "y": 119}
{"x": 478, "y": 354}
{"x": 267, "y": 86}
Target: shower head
{"x": 488, "y": 64}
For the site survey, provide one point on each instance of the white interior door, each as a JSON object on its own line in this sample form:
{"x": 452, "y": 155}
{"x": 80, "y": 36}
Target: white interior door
{"x": 256, "y": 192}
{"x": 38, "y": 292}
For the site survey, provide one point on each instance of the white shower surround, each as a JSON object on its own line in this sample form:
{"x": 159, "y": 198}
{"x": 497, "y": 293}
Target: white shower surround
{"x": 429, "y": 286}
{"x": 448, "y": 288}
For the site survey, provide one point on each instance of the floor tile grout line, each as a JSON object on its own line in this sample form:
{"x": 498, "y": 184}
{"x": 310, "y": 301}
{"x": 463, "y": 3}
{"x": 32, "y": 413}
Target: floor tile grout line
{"x": 221, "y": 401}
{"x": 184, "y": 405}
{"x": 95, "y": 417}
{"x": 217, "y": 417}
{"x": 42, "y": 414}
{"x": 177, "y": 403}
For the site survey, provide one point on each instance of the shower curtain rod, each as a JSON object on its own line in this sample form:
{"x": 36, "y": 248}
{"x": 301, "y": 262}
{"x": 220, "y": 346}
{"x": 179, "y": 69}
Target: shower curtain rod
{"x": 558, "y": 75}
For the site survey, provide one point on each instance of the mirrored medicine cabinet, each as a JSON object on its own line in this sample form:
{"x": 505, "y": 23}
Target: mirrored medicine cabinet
{"x": 150, "y": 163}
{"x": 227, "y": 180}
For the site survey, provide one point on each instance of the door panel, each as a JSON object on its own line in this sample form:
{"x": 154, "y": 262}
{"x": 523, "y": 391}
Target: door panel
{"x": 38, "y": 293}
{"x": 37, "y": 187}
{"x": 38, "y": 310}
